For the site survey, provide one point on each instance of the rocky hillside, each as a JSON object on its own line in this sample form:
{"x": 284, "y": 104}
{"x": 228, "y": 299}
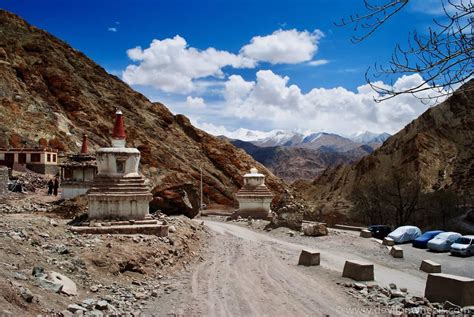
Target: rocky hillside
{"x": 50, "y": 91}
{"x": 294, "y": 163}
{"x": 436, "y": 148}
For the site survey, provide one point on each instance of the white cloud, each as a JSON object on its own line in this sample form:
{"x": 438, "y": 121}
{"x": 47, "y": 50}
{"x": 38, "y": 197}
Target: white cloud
{"x": 283, "y": 46}
{"x": 195, "y": 102}
{"x": 272, "y": 99}
{"x": 112, "y": 29}
{"x": 171, "y": 66}
{"x": 318, "y": 62}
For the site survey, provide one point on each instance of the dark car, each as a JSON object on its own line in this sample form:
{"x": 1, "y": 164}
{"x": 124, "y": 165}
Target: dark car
{"x": 380, "y": 231}
{"x": 422, "y": 241}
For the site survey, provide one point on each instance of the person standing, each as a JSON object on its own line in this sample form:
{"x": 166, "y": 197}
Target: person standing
{"x": 56, "y": 186}
{"x": 50, "y": 187}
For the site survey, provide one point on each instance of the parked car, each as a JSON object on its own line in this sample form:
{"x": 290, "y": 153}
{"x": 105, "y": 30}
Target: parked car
{"x": 463, "y": 246}
{"x": 422, "y": 241}
{"x": 380, "y": 231}
{"x": 443, "y": 241}
{"x": 405, "y": 234}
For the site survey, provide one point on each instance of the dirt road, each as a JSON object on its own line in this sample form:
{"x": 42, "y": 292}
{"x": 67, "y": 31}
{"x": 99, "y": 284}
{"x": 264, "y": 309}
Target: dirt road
{"x": 247, "y": 273}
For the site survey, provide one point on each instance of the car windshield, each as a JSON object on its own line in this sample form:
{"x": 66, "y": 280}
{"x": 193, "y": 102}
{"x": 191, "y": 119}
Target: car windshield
{"x": 463, "y": 240}
{"x": 443, "y": 236}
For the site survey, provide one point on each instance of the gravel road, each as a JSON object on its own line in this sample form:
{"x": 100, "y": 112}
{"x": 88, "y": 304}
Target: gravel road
{"x": 250, "y": 273}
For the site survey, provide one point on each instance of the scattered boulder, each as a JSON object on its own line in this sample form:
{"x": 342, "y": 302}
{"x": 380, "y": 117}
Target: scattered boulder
{"x": 365, "y": 234}
{"x": 73, "y": 308}
{"x": 358, "y": 270}
{"x": 171, "y": 229}
{"x": 315, "y": 229}
{"x": 288, "y": 213}
{"x": 429, "y": 266}
{"x": 26, "y": 294}
{"x": 57, "y": 282}
{"x": 180, "y": 199}
{"x": 309, "y": 258}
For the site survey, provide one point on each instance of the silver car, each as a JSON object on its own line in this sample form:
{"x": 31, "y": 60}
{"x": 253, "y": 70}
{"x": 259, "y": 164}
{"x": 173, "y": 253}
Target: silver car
{"x": 443, "y": 241}
{"x": 463, "y": 246}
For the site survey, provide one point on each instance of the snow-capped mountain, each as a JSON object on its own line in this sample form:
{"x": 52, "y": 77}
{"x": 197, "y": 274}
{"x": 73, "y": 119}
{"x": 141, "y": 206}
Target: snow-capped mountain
{"x": 280, "y": 138}
{"x": 311, "y": 140}
{"x": 369, "y": 137}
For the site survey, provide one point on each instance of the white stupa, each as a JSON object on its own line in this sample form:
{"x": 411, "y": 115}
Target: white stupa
{"x": 254, "y": 197}
{"x": 118, "y": 191}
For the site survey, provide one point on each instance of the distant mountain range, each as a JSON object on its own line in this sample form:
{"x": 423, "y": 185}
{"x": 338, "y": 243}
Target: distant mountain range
{"x": 293, "y": 155}
{"x": 312, "y": 140}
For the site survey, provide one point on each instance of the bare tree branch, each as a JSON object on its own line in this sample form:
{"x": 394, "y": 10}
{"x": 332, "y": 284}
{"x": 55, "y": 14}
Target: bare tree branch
{"x": 444, "y": 58}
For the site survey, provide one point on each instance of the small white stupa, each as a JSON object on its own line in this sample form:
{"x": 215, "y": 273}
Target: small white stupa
{"x": 119, "y": 191}
{"x": 254, "y": 197}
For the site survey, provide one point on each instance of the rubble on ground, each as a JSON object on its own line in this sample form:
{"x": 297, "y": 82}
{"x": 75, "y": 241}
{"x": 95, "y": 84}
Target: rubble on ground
{"x": 288, "y": 213}
{"x": 398, "y": 302}
{"x": 27, "y": 181}
{"x": 46, "y": 269}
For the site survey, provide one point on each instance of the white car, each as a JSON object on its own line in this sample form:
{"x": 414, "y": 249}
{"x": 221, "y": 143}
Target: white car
{"x": 463, "y": 246}
{"x": 405, "y": 234}
{"x": 443, "y": 241}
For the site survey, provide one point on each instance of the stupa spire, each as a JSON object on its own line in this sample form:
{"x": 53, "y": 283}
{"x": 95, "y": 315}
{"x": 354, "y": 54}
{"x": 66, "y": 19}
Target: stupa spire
{"x": 118, "y": 134}
{"x": 84, "y": 147}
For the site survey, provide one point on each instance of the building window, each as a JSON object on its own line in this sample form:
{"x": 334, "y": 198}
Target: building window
{"x": 35, "y": 157}
{"x": 48, "y": 157}
{"x": 54, "y": 157}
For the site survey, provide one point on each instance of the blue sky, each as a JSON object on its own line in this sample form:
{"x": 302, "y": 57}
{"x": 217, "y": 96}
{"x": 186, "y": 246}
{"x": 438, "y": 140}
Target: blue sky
{"x": 245, "y": 84}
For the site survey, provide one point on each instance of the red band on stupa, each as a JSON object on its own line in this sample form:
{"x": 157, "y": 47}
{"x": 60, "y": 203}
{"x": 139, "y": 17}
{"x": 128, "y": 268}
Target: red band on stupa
{"x": 84, "y": 148}
{"x": 119, "y": 127}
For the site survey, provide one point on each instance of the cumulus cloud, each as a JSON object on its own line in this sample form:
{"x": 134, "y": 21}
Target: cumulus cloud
{"x": 195, "y": 102}
{"x": 112, "y": 29}
{"x": 283, "y": 46}
{"x": 171, "y": 65}
{"x": 271, "y": 98}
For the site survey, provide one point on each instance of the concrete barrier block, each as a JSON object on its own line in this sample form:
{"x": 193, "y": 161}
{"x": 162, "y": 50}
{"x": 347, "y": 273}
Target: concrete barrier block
{"x": 396, "y": 252}
{"x": 309, "y": 258}
{"x": 365, "y": 234}
{"x": 388, "y": 242}
{"x": 442, "y": 287}
{"x": 359, "y": 271}
{"x": 429, "y": 266}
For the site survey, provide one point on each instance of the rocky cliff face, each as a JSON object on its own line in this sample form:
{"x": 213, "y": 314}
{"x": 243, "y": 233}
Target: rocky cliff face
{"x": 50, "y": 91}
{"x": 437, "y": 148}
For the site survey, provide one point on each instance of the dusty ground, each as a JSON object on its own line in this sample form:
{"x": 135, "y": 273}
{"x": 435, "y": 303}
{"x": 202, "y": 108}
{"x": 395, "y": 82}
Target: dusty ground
{"x": 245, "y": 273}
{"x": 126, "y": 270}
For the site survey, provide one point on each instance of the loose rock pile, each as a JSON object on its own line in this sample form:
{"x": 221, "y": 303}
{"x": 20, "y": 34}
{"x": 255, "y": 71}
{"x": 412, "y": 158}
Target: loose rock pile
{"x": 28, "y": 181}
{"x": 398, "y": 302}
{"x": 27, "y": 207}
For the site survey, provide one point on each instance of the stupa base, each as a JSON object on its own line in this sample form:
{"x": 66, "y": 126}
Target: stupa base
{"x": 150, "y": 227}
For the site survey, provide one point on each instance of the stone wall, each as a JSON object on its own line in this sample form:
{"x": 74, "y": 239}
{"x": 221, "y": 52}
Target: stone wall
{"x": 43, "y": 169}
{"x": 3, "y": 180}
